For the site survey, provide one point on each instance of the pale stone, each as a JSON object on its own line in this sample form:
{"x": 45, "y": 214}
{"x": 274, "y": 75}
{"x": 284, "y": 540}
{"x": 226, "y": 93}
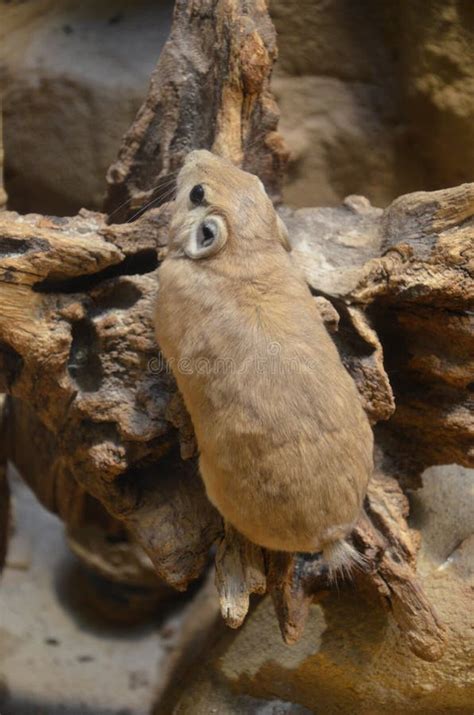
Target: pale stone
{"x": 74, "y": 76}
{"x": 376, "y": 97}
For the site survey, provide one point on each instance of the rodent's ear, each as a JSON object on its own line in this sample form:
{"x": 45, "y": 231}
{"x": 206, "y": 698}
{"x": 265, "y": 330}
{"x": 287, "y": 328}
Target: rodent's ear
{"x": 282, "y": 234}
{"x": 206, "y": 238}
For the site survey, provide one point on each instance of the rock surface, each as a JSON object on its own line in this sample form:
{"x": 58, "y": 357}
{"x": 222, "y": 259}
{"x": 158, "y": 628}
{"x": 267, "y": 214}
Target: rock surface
{"x": 58, "y": 656}
{"x": 73, "y": 77}
{"x": 376, "y": 98}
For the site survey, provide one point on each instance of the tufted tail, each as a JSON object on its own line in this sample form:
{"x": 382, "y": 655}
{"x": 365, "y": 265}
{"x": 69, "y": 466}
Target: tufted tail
{"x": 342, "y": 558}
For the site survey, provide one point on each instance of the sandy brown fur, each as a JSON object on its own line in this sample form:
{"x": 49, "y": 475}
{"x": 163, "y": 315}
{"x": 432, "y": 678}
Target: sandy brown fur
{"x": 285, "y": 446}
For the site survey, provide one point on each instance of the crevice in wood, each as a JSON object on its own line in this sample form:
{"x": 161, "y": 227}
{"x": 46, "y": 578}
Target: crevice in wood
{"x": 11, "y": 365}
{"x": 142, "y": 262}
{"x": 84, "y": 365}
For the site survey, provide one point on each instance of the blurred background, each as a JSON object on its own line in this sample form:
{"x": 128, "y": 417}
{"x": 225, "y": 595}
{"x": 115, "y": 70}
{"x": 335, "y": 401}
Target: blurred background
{"x": 376, "y": 98}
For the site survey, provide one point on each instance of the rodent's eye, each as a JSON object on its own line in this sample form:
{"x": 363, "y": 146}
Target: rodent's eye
{"x": 196, "y": 194}
{"x": 206, "y": 234}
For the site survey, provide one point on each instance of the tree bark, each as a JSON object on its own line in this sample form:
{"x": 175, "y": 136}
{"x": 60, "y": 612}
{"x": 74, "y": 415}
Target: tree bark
{"x": 210, "y": 90}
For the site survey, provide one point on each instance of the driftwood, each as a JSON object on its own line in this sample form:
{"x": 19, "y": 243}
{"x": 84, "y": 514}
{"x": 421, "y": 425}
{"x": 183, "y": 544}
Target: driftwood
{"x": 93, "y": 411}
{"x": 91, "y": 396}
{"x": 424, "y": 286}
{"x": 94, "y": 398}
{"x": 210, "y": 90}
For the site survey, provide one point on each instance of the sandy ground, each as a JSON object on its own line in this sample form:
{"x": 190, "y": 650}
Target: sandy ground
{"x": 56, "y": 658}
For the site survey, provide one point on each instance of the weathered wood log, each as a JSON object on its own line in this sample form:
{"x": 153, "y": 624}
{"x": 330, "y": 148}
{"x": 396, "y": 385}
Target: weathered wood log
{"x": 391, "y": 550}
{"x": 76, "y": 348}
{"x": 389, "y": 547}
{"x": 240, "y": 571}
{"x": 90, "y": 390}
{"x": 210, "y": 90}
{"x": 420, "y": 294}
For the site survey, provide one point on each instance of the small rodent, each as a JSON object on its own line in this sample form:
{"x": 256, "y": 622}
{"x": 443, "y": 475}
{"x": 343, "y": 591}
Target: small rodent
{"x": 286, "y": 450}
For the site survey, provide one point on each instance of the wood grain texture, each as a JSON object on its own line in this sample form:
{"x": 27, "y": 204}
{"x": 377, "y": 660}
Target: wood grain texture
{"x": 210, "y": 90}
{"x": 77, "y": 343}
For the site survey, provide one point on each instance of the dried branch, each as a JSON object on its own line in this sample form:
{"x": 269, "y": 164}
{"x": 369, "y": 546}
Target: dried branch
{"x": 240, "y": 571}
{"x": 217, "y": 60}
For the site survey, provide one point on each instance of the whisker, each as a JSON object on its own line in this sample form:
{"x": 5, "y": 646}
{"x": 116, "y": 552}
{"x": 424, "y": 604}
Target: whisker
{"x": 163, "y": 195}
{"x": 167, "y": 196}
{"x": 170, "y": 189}
{"x": 167, "y": 181}
{"x": 148, "y": 205}
{"x": 140, "y": 211}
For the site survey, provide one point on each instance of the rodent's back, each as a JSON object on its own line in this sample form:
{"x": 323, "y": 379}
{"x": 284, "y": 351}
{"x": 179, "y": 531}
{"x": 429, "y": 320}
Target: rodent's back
{"x": 285, "y": 446}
